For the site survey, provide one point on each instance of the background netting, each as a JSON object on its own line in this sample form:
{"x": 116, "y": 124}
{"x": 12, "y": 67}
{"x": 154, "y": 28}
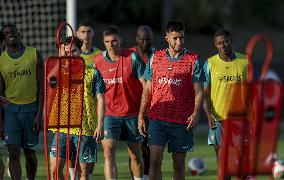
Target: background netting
{"x": 37, "y": 20}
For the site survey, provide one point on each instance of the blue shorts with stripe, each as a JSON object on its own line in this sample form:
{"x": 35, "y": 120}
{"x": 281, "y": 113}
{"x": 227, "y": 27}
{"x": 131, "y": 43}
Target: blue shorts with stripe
{"x": 18, "y": 125}
{"x": 179, "y": 139}
{"x": 88, "y": 149}
{"x": 215, "y": 135}
{"x": 122, "y": 128}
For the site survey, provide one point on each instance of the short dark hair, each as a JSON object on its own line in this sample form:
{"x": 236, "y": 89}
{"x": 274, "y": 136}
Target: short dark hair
{"x": 175, "y": 26}
{"x": 8, "y": 25}
{"x": 86, "y": 22}
{"x": 110, "y": 30}
{"x": 67, "y": 40}
{"x": 2, "y": 35}
{"x": 222, "y": 32}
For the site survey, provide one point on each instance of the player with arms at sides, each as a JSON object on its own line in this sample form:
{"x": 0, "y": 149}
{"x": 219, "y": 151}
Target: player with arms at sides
{"x": 3, "y": 101}
{"x": 221, "y": 71}
{"x": 174, "y": 92}
{"x": 94, "y": 108}
{"x": 122, "y": 71}
{"x": 144, "y": 40}
{"x": 21, "y": 70}
{"x": 86, "y": 32}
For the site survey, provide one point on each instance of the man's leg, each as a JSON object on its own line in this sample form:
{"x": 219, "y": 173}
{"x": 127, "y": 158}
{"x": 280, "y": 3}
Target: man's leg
{"x": 86, "y": 155}
{"x": 13, "y": 140}
{"x": 31, "y": 163}
{"x": 61, "y": 159}
{"x": 110, "y": 168}
{"x": 134, "y": 151}
{"x": 214, "y": 138}
{"x": 157, "y": 137}
{"x": 146, "y": 157}
{"x": 217, "y": 148}
{"x": 53, "y": 172}
{"x": 156, "y": 158}
{"x": 146, "y": 153}
{"x": 91, "y": 167}
{"x": 72, "y": 161}
{"x": 14, "y": 162}
{"x": 84, "y": 172}
{"x": 72, "y": 169}
{"x": 180, "y": 142}
{"x": 178, "y": 165}
{"x": 2, "y": 168}
{"x": 30, "y": 141}
{"x": 129, "y": 166}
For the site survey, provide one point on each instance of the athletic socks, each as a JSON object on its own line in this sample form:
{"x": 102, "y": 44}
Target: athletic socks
{"x": 135, "y": 178}
{"x": 145, "y": 177}
{"x": 72, "y": 173}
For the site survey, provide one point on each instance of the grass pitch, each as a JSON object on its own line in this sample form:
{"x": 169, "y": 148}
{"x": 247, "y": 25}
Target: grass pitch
{"x": 201, "y": 150}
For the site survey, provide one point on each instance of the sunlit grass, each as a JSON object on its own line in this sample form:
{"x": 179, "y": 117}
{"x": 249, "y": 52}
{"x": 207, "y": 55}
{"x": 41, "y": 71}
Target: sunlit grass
{"x": 201, "y": 150}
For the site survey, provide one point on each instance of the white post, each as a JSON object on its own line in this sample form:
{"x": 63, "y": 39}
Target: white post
{"x": 71, "y": 15}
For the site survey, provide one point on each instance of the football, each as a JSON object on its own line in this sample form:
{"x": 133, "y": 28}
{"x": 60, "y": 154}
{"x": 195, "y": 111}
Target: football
{"x": 278, "y": 169}
{"x": 197, "y": 166}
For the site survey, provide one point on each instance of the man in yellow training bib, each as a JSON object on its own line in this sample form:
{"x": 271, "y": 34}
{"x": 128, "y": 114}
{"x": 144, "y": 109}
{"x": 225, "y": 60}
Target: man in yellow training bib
{"x": 21, "y": 73}
{"x": 222, "y": 71}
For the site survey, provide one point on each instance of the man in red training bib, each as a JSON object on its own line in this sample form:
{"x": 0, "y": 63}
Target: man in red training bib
{"x": 174, "y": 90}
{"x": 122, "y": 72}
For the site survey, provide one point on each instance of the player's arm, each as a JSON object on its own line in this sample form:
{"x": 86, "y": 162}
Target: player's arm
{"x": 100, "y": 113}
{"x": 138, "y": 68}
{"x": 207, "y": 99}
{"x": 145, "y": 99}
{"x": 198, "y": 78}
{"x": 39, "y": 78}
{"x": 3, "y": 100}
{"x": 1, "y": 109}
{"x": 99, "y": 88}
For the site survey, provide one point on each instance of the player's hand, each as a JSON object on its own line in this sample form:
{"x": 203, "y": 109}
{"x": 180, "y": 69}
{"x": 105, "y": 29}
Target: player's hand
{"x": 192, "y": 121}
{"x": 3, "y": 101}
{"x": 142, "y": 126}
{"x": 211, "y": 122}
{"x": 98, "y": 134}
{"x": 37, "y": 123}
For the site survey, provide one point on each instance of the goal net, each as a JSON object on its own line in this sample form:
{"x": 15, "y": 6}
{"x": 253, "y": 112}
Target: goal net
{"x": 37, "y": 20}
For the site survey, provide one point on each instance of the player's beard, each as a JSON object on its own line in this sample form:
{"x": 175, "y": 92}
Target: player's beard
{"x": 176, "y": 49}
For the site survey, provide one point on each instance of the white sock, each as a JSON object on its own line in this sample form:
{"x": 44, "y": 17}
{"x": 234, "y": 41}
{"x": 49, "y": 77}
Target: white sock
{"x": 72, "y": 173}
{"x": 8, "y": 171}
{"x": 145, "y": 177}
{"x": 135, "y": 178}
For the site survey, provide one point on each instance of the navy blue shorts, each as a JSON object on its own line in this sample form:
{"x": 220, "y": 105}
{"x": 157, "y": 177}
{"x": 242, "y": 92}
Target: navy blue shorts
{"x": 122, "y": 128}
{"x": 88, "y": 149}
{"x": 18, "y": 125}
{"x": 179, "y": 139}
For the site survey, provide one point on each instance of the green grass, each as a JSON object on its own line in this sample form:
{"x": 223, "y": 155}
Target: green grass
{"x": 201, "y": 150}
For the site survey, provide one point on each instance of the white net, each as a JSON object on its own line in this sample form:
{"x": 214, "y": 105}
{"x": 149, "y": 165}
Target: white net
{"x": 37, "y": 20}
